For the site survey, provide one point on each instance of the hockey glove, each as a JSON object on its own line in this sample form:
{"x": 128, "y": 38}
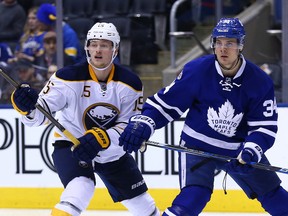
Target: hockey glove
{"x": 139, "y": 129}
{"x": 251, "y": 153}
{"x": 91, "y": 143}
{"x": 24, "y": 99}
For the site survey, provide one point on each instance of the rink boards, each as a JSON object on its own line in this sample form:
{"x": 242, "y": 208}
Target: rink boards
{"x": 28, "y": 179}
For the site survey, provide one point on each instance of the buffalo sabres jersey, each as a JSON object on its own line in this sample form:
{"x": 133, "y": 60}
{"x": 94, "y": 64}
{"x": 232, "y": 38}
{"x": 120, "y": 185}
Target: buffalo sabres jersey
{"x": 222, "y": 112}
{"x": 81, "y": 102}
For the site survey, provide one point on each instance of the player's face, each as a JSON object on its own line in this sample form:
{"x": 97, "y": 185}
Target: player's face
{"x": 26, "y": 74}
{"x": 227, "y": 52}
{"x": 101, "y": 52}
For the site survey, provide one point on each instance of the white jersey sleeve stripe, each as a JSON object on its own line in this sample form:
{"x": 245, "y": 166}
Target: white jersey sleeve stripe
{"x": 167, "y": 106}
{"x": 262, "y": 123}
{"x": 209, "y": 140}
{"x": 159, "y": 108}
{"x": 265, "y": 131}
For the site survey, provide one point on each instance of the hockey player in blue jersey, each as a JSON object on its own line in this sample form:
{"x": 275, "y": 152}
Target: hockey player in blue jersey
{"x": 95, "y": 98}
{"x": 231, "y": 111}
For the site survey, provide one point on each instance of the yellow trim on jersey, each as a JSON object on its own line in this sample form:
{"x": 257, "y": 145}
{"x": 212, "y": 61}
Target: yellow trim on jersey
{"x": 94, "y": 77}
{"x": 46, "y": 198}
{"x": 92, "y": 74}
{"x": 111, "y": 75}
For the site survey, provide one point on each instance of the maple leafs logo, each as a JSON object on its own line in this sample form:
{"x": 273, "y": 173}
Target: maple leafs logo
{"x": 224, "y": 122}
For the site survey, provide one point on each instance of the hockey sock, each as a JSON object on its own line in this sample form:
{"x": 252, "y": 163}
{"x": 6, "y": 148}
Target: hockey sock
{"x": 75, "y": 198}
{"x": 142, "y": 205}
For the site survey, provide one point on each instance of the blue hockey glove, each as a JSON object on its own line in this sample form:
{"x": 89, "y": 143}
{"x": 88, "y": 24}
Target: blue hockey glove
{"x": 24, "y": 99}
{"x": 251, "y": 153}
{"x": 91, "y": 143}
{"x": 139, "y": 129}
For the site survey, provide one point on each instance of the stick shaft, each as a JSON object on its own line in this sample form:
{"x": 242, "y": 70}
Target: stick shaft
{"x": 214, "y": 156}
{"x": 70, "y": 136}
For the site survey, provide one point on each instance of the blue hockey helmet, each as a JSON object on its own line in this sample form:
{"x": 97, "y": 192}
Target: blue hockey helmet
{"x": 229, "y": 28}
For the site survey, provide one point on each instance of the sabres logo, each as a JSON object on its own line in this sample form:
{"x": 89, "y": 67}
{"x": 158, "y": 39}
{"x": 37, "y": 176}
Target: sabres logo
{"x": 100, "y": 115}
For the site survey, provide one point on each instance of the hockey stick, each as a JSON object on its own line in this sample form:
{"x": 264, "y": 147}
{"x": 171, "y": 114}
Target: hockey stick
{"x": 214, "y": 156}
{"x": 67, "y": 133}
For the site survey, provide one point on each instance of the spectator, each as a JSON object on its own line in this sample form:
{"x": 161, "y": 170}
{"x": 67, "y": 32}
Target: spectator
{"x": 47, "y": 16}
{"x": 12, "y": 17}
{"x": 28, "y": 74}
{"x": 5, "y": 55}
{"x": 49, "y": 57}
{"x": 30, "y": 44}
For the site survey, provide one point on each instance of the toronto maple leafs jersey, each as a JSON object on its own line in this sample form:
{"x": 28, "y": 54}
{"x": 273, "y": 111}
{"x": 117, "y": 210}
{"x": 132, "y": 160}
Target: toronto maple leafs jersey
{"x": 81, "y": 102}
{"x": 222, "y": 112}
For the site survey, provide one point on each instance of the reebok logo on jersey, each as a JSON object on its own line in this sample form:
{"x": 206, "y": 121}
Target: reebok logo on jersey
{"x": 225, "y": 121}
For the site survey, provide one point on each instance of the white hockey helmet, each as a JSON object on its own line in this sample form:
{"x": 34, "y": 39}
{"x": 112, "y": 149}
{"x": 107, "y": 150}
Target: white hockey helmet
{"x": 106, "y": 31}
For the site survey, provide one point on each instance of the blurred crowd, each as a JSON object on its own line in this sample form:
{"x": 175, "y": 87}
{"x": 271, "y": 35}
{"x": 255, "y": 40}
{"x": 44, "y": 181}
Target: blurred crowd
{"x": 28, "y": 45}
{"x": 28, "y": 51}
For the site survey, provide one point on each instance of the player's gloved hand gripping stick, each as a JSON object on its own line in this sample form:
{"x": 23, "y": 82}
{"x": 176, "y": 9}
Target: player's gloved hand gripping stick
{"x": 26, "y": 99}
{"x": 215, "y": 156}
{"x": 70, "y": 136}
{"x": 140, "y": 128}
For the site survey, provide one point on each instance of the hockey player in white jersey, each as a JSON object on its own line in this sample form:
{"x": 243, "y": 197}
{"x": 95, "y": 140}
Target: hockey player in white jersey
{"x": 94, "y": 100}
{"x": 231, "y": 111}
